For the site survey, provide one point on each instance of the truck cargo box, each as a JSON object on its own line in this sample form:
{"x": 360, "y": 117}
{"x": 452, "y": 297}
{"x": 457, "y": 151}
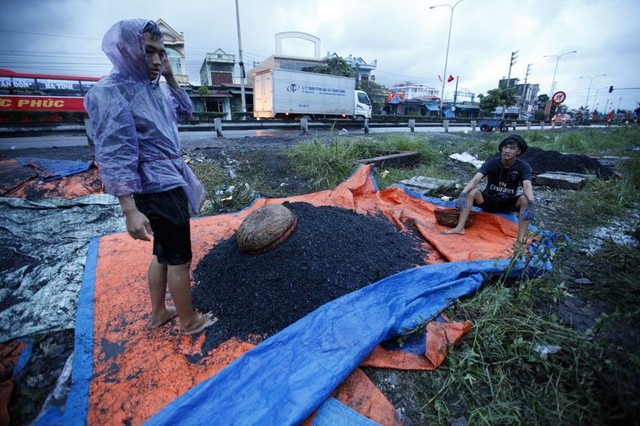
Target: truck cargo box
{"x": 282, "y": 93}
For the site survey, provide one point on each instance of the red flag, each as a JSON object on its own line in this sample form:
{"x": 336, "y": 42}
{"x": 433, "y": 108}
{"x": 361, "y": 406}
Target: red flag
{"x": 450, "y": 79}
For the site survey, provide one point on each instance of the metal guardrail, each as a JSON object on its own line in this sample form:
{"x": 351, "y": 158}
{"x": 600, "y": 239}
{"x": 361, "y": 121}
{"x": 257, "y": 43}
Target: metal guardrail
{"x": 23, "y": 130}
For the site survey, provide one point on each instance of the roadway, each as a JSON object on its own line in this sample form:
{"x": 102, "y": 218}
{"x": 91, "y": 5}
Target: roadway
{"x": 188, "y": 137}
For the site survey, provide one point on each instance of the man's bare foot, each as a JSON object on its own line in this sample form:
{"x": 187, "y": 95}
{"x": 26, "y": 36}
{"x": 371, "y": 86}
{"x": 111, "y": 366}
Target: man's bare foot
{"x": 199, "y": 323}
{"x": 169, "y": 314}
{"x": 454, "y": 231}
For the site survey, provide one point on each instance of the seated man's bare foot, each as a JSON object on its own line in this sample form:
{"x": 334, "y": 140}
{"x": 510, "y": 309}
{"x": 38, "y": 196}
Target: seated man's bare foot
{"x": 169, "y": 314}
{"x": 199, "y": 323}
{"x": 454, "y": 231}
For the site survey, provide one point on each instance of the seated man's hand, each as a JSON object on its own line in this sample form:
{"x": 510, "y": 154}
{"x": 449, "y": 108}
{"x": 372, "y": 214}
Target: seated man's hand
{"x": 529, "y": 212}
{"x": 461, "y": 201}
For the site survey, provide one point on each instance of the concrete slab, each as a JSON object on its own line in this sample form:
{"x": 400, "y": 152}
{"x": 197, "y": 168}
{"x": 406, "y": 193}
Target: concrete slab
{"x": 611, "y": 160}
{"x": 561, "y": 180}
{"x": 428, "y": 185}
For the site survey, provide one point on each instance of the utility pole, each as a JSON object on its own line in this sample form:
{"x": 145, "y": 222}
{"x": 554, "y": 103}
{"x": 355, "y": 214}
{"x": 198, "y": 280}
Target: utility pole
{"x": 595, "y": 98}
{"x": 242, "y": 73}
{"x": 586, "y": 102}
{"x": 514, "y": 59}
{"x": 446, "y": 57}
{"x": 553, "y": 80}
{"x": 455, "y": 94}
{"x": 525, "y": 88}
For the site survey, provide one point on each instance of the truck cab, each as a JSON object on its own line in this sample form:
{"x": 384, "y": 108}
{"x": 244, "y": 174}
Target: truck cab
{"x": 363, "y": 106}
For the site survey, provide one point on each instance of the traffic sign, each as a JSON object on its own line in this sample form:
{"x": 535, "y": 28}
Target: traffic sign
{"x": 559, "y": 97}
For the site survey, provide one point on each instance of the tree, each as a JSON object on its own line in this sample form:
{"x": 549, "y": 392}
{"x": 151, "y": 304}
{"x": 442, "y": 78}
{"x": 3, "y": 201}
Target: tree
{"x": 541, "y": 103}
{"x": 334, "y": 66}
{"x": 377, "y": 94}
{"x": 502, "y": 96}
{"x": 203, "y": 91}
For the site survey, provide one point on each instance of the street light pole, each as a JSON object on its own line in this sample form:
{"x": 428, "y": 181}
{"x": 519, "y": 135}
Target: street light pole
{"x": 556, "y": 68}
{"x": 446, "y": 58}
{"x": 595, "y": 103}
{"x": 241, "y": 63}
{"x": 586, "y": 102}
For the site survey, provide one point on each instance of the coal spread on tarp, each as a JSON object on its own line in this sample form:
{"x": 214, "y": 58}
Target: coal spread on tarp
{"x": 332, "y": 252}
{"x": 124, "y": 373}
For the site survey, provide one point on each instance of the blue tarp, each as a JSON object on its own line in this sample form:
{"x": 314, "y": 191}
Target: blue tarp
{"x": 56, "y": 169}
{"x": 282, "y": 380}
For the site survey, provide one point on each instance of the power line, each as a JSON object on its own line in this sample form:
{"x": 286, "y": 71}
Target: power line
{"x": 48, "y": 35}
{"x": 207, "y": 49}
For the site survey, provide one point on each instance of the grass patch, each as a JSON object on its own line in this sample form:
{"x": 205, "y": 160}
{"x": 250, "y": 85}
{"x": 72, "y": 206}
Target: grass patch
{"x": 327, "y": 163}
{"x": 520, "y": 364}
{"x": 225, "y": 194}
{"x": 500, "y": 374}
{"x": 587, "y": 142}
{"x": 631, "y": 170}
{"x": 617, "y": 278}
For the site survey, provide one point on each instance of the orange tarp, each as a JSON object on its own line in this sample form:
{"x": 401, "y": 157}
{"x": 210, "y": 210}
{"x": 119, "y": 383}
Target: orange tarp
{"x": 26, "y": 183}
{"x": 137, "y": 372}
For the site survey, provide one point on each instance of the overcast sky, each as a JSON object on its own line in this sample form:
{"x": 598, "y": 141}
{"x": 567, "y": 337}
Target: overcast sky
{"x": 406, "y": 37}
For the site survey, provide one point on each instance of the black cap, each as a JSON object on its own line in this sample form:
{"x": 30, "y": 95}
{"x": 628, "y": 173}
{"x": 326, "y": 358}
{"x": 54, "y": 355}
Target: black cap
{"x": 514, "y": 139}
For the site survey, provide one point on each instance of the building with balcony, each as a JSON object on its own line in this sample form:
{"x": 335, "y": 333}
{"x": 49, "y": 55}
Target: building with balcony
{"x": 526, "y": 94}
{"x": 220, "y": 93}
{"x": 174, "y": 45}
{"x": 414, "y": 90}
{"x": 218, "y": 68}
{"x": 361, "y": 69}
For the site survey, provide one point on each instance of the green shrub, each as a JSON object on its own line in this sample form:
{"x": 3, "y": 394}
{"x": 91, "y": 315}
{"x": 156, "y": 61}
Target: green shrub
{"x": 207, "y": 116}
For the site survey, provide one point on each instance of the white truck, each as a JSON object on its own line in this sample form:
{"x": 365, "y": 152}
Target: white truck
{"x": 287, "y": 94}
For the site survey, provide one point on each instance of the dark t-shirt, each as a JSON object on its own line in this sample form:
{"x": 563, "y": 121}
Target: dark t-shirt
{"x": 503, "y": 182}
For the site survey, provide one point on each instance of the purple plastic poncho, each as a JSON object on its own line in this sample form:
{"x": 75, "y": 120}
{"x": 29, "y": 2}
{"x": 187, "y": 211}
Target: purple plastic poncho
{"x": 134, "y": 120}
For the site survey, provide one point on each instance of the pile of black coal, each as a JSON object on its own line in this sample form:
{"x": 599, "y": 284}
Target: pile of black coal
{"x": 333, "y": 251}
{"x": 542, "y": 161}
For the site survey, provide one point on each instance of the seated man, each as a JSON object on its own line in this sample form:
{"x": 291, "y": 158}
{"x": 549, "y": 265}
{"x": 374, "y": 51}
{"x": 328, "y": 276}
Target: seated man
{"x": 504, "y": 175}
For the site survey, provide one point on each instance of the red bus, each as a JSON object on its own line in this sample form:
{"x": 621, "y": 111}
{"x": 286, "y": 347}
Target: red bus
{"x": 37, "y": 98}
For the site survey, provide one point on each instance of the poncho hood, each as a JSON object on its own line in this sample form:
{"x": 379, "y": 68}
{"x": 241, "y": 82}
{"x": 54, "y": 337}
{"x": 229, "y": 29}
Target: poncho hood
{"x": 124, "y": 46}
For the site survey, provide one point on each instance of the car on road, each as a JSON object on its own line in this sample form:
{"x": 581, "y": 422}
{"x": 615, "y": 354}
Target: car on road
{"x": 562, "y": 119}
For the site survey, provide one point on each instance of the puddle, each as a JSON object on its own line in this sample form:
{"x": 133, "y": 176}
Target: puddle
{"x": 619, "y": 231}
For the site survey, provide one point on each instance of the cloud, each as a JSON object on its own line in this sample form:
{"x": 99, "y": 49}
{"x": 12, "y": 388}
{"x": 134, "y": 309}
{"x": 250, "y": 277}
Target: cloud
{"x": 407, "y": 38}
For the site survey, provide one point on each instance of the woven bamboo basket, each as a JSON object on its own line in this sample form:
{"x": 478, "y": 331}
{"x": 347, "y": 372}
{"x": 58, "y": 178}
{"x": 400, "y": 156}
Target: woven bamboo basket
{"x": 266, "y": 228}
{"x": 449, "y": 217}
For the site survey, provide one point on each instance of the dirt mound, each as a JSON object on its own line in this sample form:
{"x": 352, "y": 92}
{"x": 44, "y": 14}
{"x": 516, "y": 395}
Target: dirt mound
{"x": 333, "y": 251}
{"x": 542, "y": 161}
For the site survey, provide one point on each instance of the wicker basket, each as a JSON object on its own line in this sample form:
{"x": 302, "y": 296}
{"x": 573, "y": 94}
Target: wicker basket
{"x": 266, "y": 228}
{"x": 449, "y": 217}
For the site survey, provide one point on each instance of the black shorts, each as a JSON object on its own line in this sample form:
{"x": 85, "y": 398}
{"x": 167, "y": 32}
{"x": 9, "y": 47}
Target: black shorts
{"x": 168, "y": 213}
{"x": 496, "y": 205}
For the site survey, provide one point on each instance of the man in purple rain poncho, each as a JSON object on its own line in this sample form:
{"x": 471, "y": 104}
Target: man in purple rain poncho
{"x": 137, "y": 149}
